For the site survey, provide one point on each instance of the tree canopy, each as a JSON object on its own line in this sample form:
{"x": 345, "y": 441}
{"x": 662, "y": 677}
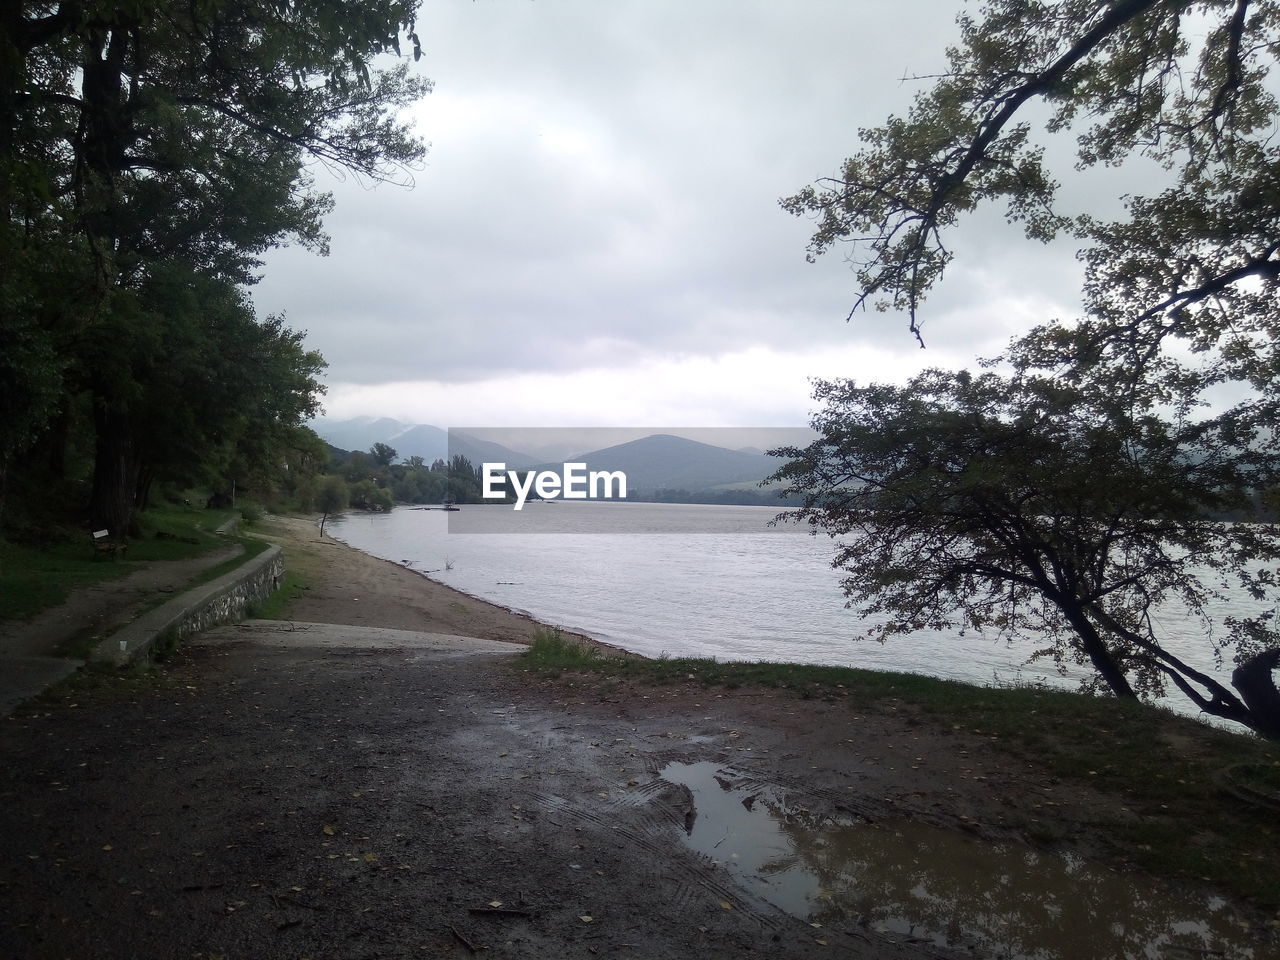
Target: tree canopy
{"x": 149, "y": 154}
{"x": 1079, "y": 483}
{"x": 1029, "y": 506}
{"x": 1184, "y": 83}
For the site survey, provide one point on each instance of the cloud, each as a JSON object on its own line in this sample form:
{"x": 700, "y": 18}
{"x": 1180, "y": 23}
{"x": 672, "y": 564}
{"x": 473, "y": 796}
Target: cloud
{"x": 598, "y": 218}
{"x": 757, "y": 386}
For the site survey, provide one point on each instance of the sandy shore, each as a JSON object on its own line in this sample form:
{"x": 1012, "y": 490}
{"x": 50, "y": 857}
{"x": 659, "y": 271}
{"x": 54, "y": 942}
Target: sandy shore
{"x": 344, "y": 585}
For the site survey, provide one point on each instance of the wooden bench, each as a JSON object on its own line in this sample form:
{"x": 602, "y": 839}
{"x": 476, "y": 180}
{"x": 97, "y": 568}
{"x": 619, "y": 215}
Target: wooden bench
{"x": 105, "y": 545}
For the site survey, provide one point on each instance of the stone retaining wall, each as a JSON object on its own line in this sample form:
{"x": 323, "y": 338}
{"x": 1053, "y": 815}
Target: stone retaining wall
{"x": 212, "y": 604}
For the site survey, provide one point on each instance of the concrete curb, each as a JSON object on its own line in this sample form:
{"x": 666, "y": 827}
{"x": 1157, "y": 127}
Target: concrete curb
{"x": 209, "y": 605}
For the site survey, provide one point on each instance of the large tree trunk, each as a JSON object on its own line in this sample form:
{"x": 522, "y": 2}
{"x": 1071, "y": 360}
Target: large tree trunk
{"x": 1098, "y": 654}
{"x": 115, "y": 472}
{"x": 146, "y": 477}
{"x": 1257, "y": 685}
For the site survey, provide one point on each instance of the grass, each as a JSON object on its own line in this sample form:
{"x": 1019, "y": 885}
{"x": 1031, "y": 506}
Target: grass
{"x": 272, "y": 608}
{"x": 33, "y": 578}
{"x": 81, "y": 647}
{"x": 252, "y": 547}
{"x": 1193, "y": 788}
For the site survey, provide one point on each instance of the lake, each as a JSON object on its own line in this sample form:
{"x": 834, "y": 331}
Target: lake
{"x": 695, "y": 580}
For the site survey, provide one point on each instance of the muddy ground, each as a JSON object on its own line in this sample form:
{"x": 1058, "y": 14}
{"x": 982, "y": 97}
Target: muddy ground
{"x": 285, "y": 799}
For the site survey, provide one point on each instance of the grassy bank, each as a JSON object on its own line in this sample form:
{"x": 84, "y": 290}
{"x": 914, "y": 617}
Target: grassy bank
{"x": 33, "y": 578}
{"x": 1181, "y": 778}
{"x": 291, "y": 586}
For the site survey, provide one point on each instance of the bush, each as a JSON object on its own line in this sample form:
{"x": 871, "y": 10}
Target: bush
{"x": 332, "y": 495}
{"x": 367, "y": 495}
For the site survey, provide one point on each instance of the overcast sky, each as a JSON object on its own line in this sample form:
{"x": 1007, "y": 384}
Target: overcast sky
{"x": 596, "y": 240}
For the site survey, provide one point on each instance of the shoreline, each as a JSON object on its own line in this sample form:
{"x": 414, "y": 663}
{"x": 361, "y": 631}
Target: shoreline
{"x": 564, "y": 631}
{"x": 343, "y": 584}
{"x": 322, "y": 786}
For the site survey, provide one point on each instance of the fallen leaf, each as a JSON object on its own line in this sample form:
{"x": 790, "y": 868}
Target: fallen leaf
{"x": 106, "y": 846}
{"x": 726, "y": 905}
{"x": 495, "y": 904}
{"x": 585, "y": 919}
{"x": 370, "y": 857}
{"x": 328, "y": 830}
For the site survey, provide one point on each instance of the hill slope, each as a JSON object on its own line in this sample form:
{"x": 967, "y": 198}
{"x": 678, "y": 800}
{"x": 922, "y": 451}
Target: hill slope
{"x": 662, "y": 461}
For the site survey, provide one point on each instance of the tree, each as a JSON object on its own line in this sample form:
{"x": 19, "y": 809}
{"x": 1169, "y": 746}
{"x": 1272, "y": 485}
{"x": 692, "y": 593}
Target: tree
{"x": 383, "y": 454}
{"x": 331, "y": 497}
{"x": 213, "y": 392}
{"x": 1190, "y": 263}
{"x": 1179, "y": 310}
{"x": 969, "y": 502}
{"x": 367, "y": 495}
{"x": 151, "y": 132}
{"x": 356, "y": 467}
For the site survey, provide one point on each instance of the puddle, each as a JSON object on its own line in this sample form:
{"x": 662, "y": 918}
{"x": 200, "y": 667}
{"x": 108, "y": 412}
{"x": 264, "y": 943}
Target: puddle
{"x": 1006, "y": 900}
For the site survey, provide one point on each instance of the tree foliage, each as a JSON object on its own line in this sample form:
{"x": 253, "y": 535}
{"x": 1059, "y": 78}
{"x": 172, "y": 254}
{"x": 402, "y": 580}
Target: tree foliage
{"x": 144, "y": 141}
{"x": 1075, "y": 491}
{"x": 1028, "y": 506}
{"x": 331, "y": 497}
{"x": 383, "y": 454}
{"x": 1181, "y": 82}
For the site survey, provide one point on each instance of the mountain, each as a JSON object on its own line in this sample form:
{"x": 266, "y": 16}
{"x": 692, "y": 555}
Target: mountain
{"x": 486, "y": 451}
{"x": 360, "y": 433}
{"x": 662, "y": 461}
{"x": 417, "y": 440}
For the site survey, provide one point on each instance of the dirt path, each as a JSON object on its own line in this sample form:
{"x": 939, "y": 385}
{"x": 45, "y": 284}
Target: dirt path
{"x": 282, "y": 793}
{"x": 98, "y": 609}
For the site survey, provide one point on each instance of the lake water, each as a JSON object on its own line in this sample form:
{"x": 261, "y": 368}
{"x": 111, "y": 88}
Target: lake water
{"x": 733, "y": 588}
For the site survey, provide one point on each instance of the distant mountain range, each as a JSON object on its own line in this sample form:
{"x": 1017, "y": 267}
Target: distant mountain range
{"x": 663, "y": 461}
{"x": 417, "y": 440}
{"x": 652, "y": 463}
